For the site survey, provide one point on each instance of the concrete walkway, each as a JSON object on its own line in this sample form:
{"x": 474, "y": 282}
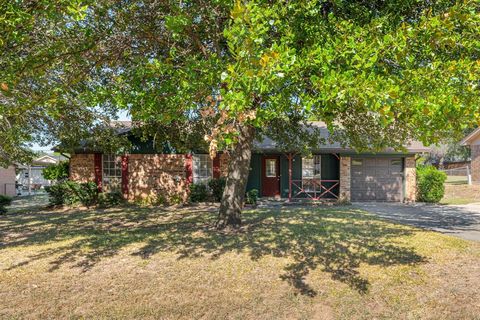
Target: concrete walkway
{"x": 461, "y": 221}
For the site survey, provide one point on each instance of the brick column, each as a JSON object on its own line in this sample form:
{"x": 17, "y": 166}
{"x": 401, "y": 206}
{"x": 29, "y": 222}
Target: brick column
{"x": 345, "y": 178}
{"x": 475, "y": 164}
{"x": 410, "y": 179}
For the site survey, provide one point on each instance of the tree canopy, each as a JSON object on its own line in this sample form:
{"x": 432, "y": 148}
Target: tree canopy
{"x": 378, "y": 73}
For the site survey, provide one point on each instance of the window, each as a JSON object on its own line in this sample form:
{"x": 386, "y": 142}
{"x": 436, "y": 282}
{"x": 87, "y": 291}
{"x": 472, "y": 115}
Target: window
{"x": 112, "y": 173}
{"x": 202, "y": 168}
{"x": 271, "y": 167}
{"x": 312, "y": 167}
{"x": 396, "y": 162}
{"x": 357, "y": 162}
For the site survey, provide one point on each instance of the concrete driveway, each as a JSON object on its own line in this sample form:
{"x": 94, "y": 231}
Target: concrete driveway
{"x": 461, "y": 221}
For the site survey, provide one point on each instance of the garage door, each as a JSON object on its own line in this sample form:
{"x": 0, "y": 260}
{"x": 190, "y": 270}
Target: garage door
{"x": 378, "y": 179}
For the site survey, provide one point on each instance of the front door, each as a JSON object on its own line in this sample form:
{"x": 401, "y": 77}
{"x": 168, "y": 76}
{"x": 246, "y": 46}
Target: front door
{"x": 271, "y": 176}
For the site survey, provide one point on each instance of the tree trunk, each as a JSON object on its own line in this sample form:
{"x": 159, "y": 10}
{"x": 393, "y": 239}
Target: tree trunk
{"x": 236, "y": 184}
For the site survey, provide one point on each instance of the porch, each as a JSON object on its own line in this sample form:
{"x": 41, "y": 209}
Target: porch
{"x": 293, "y": 178}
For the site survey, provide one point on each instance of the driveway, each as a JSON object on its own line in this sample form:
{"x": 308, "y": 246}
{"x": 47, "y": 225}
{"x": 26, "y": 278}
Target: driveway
{"x": 460, "y": 220}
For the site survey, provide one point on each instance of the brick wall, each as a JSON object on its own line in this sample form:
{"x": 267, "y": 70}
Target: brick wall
{"x": 7, "y": 181}
{"x": 82, "y": 167}
{"x": 410, "y": 179}
{"x": 157, "y": 176}
{"x": 475, "y": 164}
{"x": 345, "y": 178}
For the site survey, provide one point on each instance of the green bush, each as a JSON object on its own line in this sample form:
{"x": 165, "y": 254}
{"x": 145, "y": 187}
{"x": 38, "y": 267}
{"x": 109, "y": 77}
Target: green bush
{"x": 3, "y": 210}
{"x": 430, "y": 184}
{"x": 56, "y": 194}
{"x": 56, "y": 172}
{"x": 5, "y": 200}
{"x": 216, "y": 187}
{"x": 110, "y": 199}
{"x": 72, "y": 193}
{"x": 251, "y": 197}
{"x": 198, "y": 192}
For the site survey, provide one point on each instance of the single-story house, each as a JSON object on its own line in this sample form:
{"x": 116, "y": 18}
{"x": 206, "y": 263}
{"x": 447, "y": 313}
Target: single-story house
{"x": 7, "y": 181}
{"x": 473, "y": 142}
{"x": 30, "y": 177}
{"x": 332, "y": 172}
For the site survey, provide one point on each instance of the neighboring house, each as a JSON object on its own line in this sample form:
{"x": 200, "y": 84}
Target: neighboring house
{"x": 30, "y": 178}
{"x": 7, "y": 181}
{"x": 473, "y": 142}
{"x": 332, "y": 172}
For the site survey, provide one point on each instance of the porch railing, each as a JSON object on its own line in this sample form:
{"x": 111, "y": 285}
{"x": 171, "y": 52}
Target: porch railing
{"x": 314, "y": 189}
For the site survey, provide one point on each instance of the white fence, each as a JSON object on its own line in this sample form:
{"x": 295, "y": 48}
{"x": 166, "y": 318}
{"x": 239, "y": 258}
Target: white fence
{"x": 458, "y": 175}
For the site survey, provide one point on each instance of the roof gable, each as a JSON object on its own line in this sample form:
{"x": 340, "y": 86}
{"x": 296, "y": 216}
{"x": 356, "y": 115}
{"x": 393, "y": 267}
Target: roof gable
{"x": 469, "y": 139}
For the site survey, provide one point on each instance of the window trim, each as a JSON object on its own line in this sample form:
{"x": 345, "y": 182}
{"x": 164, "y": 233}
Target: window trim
{"x": 107, "y": 177}
{"x": 315, "y": 167}
{"x": 202, "y": 157}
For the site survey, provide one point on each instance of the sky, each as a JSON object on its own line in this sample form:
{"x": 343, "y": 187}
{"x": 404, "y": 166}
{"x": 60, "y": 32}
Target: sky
{"x": 123, "y": 115}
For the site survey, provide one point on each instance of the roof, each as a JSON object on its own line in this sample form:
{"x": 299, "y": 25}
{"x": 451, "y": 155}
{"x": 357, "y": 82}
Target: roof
{"x": 122, "y": 126}
{"x": 471, "y": 137}
{"x": 268, "y": 145}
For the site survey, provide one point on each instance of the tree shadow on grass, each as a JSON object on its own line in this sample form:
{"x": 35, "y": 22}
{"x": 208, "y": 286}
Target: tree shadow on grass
{"x": 336, "y": 240}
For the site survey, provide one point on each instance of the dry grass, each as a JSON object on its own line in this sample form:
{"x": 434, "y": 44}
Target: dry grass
{"x": 323, "y": 263}
{"x": 461, "y": 194}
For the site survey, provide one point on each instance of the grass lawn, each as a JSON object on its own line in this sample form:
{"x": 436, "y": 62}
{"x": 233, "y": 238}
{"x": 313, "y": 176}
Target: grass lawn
{"x": 460, "y": 193}
{"x": 324, "y": 263}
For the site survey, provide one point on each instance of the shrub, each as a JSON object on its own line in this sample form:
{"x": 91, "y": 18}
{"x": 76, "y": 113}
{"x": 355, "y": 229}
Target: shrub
{"x": 56, "y": 194}
{"x": 56, "y": 172}
{"x": 198, "y": 192}
{"x": 71, "y": 193}
{"x": 251, "y": 197}
{"x": 110, "y": 199}
{"x": 3, "y": 210}
{"x": 5, "y": 200}
{"x": 430, "y": 184}
{"x": 176, "y": 199}
{"x": 216, "y": 187}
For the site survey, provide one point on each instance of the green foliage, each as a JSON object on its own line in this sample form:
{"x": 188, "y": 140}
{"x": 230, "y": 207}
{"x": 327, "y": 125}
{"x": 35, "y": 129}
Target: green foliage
{"x": 198, "y": 192}
{"x": 110, "y": 199}
{"x": 175, "y": 199}
{"x": 73, "y": 193}
{"x": 251, "y": 197}
{"x": 430, "y": 184}
{"x": 377, "y": 72}
{"x": 56, "y": 172}
{"x": 217, "y": 186}
{"x": 5, "y": 200}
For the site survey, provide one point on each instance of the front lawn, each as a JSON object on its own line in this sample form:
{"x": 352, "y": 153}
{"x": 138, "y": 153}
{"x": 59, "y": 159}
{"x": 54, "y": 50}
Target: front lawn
{"x": 323, "y": 263}
{"x": 458, "y": 194}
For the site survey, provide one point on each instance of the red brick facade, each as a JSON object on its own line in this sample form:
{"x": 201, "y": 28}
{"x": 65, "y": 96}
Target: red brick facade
{"x": 156, "y": 178}
{"x": 475, "y": 164}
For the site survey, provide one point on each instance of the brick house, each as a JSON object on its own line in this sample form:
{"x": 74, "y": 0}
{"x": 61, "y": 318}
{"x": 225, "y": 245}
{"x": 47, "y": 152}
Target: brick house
{"x": 473, "y": 142}
{"x": 332, "y": 172}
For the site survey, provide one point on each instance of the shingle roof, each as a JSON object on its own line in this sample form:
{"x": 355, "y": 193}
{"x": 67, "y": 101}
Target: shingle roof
{"x": 268, "y": 145}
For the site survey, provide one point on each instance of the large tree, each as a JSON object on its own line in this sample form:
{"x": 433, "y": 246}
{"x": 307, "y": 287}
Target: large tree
{"x": 377, "y": 72}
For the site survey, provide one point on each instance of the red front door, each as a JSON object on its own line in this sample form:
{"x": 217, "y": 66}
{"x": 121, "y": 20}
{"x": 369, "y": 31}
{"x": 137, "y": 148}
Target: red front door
{"x": 271, "y": 176}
